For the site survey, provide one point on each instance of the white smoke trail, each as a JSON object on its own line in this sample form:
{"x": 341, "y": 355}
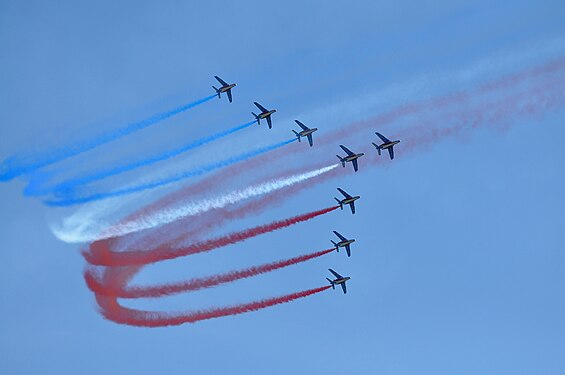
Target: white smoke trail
{"x": 98, "y": 231}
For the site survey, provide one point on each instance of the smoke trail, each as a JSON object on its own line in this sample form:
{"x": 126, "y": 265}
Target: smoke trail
{"x": 112, "y": 310}
{"x": 85, "y": 233}
{"x": 17, "y": 165}
{"x": 100, "y": 254}
{"x": 445, "y": 101}
{"x": 67, "y": 187}
{"x": 153, "y": 185}
{"x": 194, "y": 284}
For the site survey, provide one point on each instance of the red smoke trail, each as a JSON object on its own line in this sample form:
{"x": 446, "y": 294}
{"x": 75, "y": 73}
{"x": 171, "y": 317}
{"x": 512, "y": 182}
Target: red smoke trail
{"x": 115, "y": 279}
{"x": 527, "y": 104}
{"x": 101, "y": 255}
{"x": 193, "y": 284}
{"x": 442, "y": 102}
{"x": 113, "y": 311}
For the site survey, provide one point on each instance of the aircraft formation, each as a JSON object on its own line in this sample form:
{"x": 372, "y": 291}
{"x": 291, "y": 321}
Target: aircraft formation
{"x": 350, "y": 156}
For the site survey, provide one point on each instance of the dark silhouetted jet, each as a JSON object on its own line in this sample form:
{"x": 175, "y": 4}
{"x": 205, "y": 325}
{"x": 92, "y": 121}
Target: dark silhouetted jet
{"x": 226, "y": 87}
{"x": 265, "y": 114}
{"x": 339, "y": 280}
{"x": 351, "y": 156}
{"x": 347, "y": 200}
{"x": 344, "y": 242}
{"x": 306, "y": 132}
{"x": 386, "y": 145}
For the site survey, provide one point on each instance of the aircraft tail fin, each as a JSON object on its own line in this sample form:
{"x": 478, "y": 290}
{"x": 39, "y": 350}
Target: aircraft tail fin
{"x": 331, "y": 282}
{"x": 339, "y": 202}
{"x": 256, "y": 118}
{"x": 217, "y": 91}
{"x": 377, "y": 147}
{"x": 341, "y": 160}
{"x": 335, "y": 245}
{"x": 297, "y": 135}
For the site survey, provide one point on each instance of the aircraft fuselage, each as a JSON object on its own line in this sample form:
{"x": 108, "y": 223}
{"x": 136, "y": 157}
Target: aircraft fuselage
{"x": 349, "y": 200}
{"x": 345, "y": 243}
{"x": 341, "y": 281}
{"x": 353, "y": 157}
{"x": 266, "y": 114}
{"x": 305, "y": 133}
{"x": 388, "y": 144}
{"x": 228, "y": 87}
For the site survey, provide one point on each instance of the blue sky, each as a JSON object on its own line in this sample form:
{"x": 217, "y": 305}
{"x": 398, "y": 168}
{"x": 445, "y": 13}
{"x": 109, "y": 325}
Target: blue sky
{"x": 458, "y": 261}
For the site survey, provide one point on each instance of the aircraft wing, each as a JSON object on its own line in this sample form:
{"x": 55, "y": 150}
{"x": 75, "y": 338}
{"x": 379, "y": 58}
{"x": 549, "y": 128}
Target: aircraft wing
{"x": 304, "y": 127}
{"x": 269, "y": 122}
{"x": 352, "y": 205}
{"x": 310, "y": 140}
{"x": 263, "y": 109}
{"x": 382, "y": 137}
{"x": 348, "y": 250}
{"x": 221, "y": 81}
{"x": 391, "y": 153}
{"x": 355, "y": 165}
{"x": 348, "y": 151}
{"x": 344, "y": 193}
{"x": 229, "y": 95}
{"x": 344, "y": 288}
{"x": 337, "y": 275}
{"x": 340, "y": 236}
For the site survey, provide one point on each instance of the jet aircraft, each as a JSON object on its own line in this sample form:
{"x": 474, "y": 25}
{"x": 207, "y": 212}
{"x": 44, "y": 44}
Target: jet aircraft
{"x": 339, "y": 280}
{"x": 226, "y": 87}
{"x": 265, "y": 114}
{"x": 386, "y": 145}
{"x": 344, "y": 242}
{"x": 306, "y": 132}
{"x": 351, "y": 156}
{"x": 347, "y": 200}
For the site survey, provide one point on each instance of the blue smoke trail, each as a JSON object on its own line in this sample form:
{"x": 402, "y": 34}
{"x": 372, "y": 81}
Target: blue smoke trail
{"x": 67, "y": 187}
{"x": 152, "y": 185}
{"x": 17, "y": 165}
